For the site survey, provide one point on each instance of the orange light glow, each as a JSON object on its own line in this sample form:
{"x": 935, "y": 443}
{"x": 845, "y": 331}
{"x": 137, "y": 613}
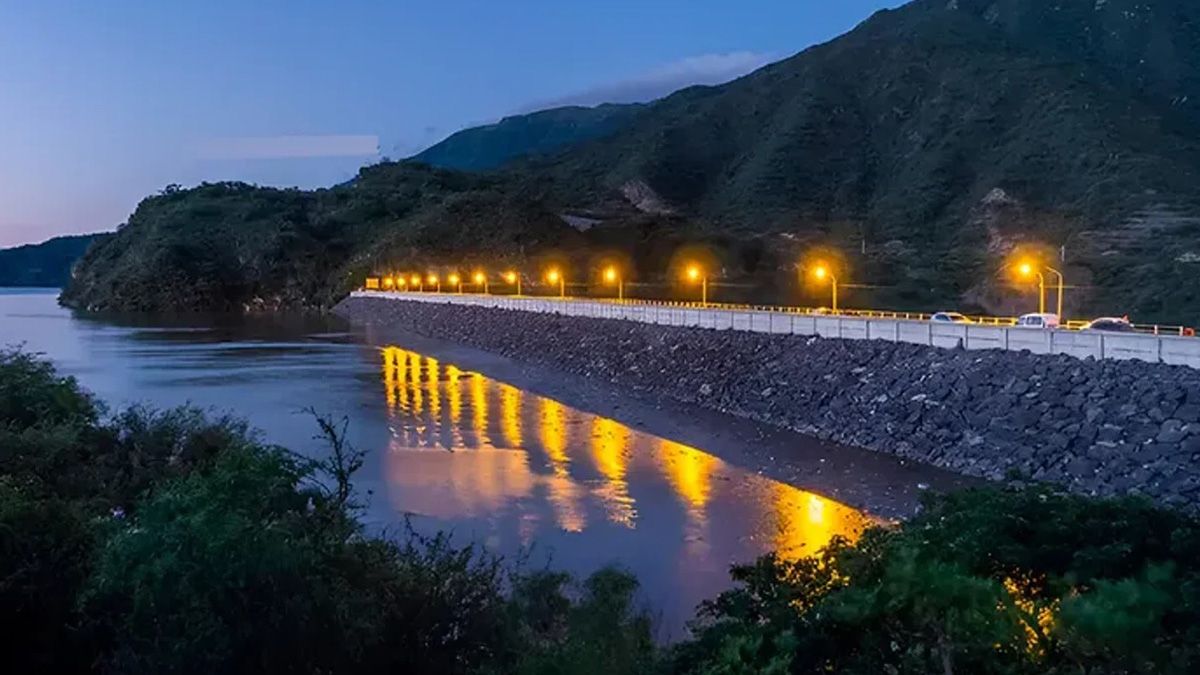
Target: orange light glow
{"x": 693, "y": 273}
{"x": 479, "y": 277}
{"x": 511, "y": 277}
{"x": 610, "y": 275}
{"x": 415, "y": 280}
{"x": 553, "y": 276}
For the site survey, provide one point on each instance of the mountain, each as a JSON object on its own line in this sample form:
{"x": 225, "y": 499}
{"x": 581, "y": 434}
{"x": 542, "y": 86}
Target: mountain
{"x": 542, "y": 132}
{"x": 47, "y": 264}
{"x": 921, "y": 147}
{"x": 936, "y": 136}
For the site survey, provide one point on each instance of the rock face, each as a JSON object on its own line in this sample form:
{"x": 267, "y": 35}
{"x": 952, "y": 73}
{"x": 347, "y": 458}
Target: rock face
{"x": 1096, "y": 427}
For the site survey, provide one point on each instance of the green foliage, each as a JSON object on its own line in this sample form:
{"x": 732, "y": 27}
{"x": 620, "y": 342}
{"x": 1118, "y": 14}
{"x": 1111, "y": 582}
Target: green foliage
{"x": 45, "y": 548}
{"x": 602, "y": 633}
{"x": 1000, "y": 581}
{"x": 31, "y": 394}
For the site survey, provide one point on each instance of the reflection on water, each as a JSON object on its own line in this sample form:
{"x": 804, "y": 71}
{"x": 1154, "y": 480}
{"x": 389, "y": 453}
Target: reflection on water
{"x": 465, "y": 446}
{"x": 492, "y": 463}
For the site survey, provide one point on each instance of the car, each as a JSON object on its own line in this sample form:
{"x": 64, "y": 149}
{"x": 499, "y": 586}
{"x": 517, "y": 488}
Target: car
{"x": 1038, "y": 320}
{"x": 950, "y": 317}
{"x": 1108, "y": 324}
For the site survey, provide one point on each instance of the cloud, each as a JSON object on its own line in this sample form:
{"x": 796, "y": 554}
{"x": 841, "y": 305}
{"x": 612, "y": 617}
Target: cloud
{"x": 288, "y": 147}
{"x": 705, "y": 69}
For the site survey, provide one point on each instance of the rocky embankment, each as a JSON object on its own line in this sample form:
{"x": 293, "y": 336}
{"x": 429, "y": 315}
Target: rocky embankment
{"x": 1098, "y": 427}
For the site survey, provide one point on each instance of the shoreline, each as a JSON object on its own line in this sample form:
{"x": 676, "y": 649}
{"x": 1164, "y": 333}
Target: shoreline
{"x": 1100, "y": 428}
{"x": 879, "y": 485}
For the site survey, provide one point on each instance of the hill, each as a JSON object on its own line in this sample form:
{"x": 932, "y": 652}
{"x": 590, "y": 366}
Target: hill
{"x": 233, "y": 246}
{"x": 542, "y": 132}
{"x": 923, "y": 145}
{"x": 47, "y": 264}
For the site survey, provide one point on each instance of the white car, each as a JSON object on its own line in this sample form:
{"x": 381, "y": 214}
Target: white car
{"x": 1038, "y": 321}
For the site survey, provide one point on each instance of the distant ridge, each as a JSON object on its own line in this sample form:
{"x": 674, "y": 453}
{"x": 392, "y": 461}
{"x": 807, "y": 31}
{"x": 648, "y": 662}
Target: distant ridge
{"x": 47, "y": 264}
{"x": 546, "y": 131}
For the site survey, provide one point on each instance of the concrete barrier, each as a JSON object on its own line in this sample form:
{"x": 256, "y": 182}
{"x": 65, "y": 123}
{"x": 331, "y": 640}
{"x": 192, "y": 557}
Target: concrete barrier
{"x": 1183, "y": 351}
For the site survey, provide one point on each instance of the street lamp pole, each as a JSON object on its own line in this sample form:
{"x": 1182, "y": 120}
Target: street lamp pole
{"x": 823, "y": 271}
{"x": 1041, "y": 293}
{"x": 1060, "y": 292}
{"x": 613, "y": 276}
{"x": 694, "y": 273}
{"x": 554, "y": 276}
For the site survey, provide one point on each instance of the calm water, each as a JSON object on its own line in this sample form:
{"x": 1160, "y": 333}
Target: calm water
{"x": 451, "y": 448}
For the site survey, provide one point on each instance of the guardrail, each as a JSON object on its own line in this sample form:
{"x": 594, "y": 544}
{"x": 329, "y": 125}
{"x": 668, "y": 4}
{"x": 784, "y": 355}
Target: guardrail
{"x": 894, "y": 327}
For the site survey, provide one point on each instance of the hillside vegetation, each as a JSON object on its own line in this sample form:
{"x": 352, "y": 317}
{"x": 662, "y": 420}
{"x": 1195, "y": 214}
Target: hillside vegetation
{"x": 46, "y": 265}
{"x": 925, "y": 145}
{"x": 233, "y": 246}
{"x": 542, "y": 132}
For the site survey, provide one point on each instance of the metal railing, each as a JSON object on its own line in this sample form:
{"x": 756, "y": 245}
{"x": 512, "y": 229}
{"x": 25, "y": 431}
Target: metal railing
{"x": 982, "y": 320}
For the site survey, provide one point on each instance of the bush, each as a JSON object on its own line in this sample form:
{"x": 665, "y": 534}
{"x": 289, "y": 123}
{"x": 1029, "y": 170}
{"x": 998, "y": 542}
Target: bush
{"x": 984, "y": 581}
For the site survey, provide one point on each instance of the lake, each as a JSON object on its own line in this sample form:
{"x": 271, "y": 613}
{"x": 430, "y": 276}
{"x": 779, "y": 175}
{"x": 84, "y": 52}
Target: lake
{"x": 460, "y": 441}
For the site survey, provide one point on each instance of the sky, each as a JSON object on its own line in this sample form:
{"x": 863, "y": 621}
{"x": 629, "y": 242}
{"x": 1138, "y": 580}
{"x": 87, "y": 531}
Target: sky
{"x": 103, "y": 103}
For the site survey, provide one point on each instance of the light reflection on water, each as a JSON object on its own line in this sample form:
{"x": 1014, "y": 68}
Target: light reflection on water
{"x": 464, "y": 446}
{"x": 491, "y": 462}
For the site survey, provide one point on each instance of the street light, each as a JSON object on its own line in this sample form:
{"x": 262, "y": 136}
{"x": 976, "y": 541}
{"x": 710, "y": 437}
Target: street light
{"x": 1061, "y": 281}
{"x": 415, "y": 281}
{"x": 694, "y": 274}
{"x": 388, "y": 282}
{"x": 821, "y": 272}
{"x": 435, "y": 282}
{"x": 1027, "y": 270}
{"x": 455, "y": 280}
{"x": 481, "y": 280}
{"x": 514, "y": 279}
{"x": 401, "y": 281}
{"x": 556, "y": 277}
{"x": 612, "y": 276}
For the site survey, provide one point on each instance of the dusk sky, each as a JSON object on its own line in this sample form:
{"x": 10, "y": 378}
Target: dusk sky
{"x": 102, "y": 103}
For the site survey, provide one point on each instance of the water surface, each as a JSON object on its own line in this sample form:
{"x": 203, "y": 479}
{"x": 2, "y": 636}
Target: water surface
{"x": 450, "y": 448}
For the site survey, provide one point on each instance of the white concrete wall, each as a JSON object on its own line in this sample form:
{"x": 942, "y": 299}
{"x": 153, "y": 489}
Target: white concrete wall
{"x": 1184, "y": 351}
